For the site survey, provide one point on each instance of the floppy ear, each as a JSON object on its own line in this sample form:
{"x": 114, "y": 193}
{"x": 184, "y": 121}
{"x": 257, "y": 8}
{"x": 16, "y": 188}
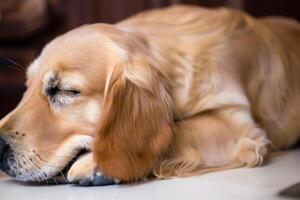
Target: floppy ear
{"x": 136, "y": 122}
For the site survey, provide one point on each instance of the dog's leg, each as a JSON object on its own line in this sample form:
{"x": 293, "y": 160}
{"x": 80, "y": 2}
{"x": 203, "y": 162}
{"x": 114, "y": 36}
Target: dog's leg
{"x": 212, "y": 141}
{"x": 252, "y": 141}
{"x": 84, "y": 173}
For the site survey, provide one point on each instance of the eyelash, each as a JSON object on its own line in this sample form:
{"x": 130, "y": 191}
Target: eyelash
{"x": 55, "y": 90}
{"x": 71, "y": 92}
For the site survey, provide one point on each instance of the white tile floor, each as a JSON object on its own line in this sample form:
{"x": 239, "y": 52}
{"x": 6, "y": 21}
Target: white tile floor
{"x": 242, "y": 184}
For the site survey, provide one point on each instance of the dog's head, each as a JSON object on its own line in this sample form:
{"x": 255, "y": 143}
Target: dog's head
{"x": 93, "y": 82}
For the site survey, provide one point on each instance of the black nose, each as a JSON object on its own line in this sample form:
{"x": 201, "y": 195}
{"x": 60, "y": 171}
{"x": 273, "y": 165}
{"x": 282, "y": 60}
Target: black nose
{"x": 3, "y": 149}
{"x": 4, "y": 157}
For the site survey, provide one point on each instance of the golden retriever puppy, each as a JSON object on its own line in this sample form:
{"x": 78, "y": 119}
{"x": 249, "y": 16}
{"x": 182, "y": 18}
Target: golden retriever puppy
{"x": 171, "y": 92}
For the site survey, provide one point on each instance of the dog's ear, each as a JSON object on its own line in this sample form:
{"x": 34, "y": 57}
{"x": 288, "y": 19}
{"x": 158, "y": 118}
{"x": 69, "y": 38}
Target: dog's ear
{"x": 136, "y": 122}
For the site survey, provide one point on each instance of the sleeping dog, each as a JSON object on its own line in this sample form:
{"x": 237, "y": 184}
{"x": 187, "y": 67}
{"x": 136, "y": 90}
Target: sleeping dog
{"x": 171, "y": 92}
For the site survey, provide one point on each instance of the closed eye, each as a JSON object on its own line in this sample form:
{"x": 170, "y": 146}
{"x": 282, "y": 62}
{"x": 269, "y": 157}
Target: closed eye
{"x": 71, "y": 92}
{"x": 59, "y": 98}
{"x": 56, "y": 90}
{"x": 59, "y": 95}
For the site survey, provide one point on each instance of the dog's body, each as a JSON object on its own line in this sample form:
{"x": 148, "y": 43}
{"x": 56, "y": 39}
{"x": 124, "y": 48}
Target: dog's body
{"x": 181, "y": 91}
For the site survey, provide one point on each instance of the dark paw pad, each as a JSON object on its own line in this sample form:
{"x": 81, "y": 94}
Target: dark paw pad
{"x": 97, "y": 179}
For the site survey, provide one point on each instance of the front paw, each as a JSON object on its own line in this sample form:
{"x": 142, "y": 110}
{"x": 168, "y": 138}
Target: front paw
{"x": 83, "y": 172}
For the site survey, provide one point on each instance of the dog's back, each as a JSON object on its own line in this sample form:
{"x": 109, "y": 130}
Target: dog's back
{"x": 280, "y": 91}
{"x": 259, "y": 57}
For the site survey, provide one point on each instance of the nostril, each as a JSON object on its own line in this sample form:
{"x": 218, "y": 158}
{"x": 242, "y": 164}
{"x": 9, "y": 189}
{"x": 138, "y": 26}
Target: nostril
{"x": 3, "y": 148}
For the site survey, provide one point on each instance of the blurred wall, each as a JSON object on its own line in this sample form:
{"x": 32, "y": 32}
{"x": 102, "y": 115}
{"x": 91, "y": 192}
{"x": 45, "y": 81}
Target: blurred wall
{"x": 27, "y": 25}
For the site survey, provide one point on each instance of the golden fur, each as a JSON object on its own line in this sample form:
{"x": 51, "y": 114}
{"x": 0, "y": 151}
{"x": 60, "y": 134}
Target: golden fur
{"x": 171, "y": 92}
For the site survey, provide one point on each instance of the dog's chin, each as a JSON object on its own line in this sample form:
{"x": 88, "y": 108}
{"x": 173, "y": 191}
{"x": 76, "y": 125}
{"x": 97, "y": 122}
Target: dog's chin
{"x": 60, "y": 177}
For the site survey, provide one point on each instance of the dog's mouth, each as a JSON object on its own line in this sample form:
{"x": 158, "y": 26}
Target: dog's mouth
{"x": 60, "y": 177}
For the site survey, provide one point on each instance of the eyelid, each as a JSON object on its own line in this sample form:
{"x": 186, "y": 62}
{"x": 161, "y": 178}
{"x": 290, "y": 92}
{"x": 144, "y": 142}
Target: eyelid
{"x": 68, "y": 88}
{"x": 64, "y": 88}
{"x": 73, "y": 80}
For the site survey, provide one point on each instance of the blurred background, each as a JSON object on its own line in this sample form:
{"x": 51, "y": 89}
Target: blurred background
{"x": 27, "y": 25}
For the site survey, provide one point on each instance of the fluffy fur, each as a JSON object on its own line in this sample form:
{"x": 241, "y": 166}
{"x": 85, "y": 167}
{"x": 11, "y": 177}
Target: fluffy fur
{"x": 181, "y": 91}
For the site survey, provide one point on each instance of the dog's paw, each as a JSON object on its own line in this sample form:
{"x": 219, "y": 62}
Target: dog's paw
{"x": 96, "y": 179}
{"x": 250, "y": 152}
{"x": 83, "y": 172}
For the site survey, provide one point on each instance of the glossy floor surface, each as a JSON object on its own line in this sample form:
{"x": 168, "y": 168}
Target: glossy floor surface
{"x": 257, "y": 183}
